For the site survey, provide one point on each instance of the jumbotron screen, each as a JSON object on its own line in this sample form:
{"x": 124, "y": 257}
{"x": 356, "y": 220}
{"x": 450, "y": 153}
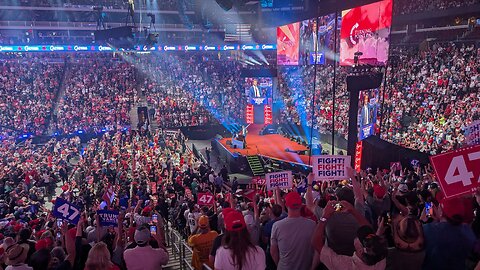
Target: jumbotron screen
{"x": 366, "y": 29}
{"x": 288, "y": 44}
{"x": 259, "y": 90}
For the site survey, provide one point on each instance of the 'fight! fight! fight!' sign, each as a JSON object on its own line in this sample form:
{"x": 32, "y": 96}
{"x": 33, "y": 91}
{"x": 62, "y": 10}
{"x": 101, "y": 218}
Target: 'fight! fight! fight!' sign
{"x": 282, "y": 180}
{"x": 328, "y": 168}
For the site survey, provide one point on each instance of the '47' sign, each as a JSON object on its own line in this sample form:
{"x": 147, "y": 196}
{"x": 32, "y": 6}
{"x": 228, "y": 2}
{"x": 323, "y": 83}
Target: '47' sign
{"x": 205, "y": 199}
{"x": 65, "y": 210}
{"x": 458, "y": 171}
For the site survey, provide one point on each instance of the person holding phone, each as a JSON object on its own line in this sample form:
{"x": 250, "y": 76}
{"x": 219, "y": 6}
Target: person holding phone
{"x": 151, "y": 258}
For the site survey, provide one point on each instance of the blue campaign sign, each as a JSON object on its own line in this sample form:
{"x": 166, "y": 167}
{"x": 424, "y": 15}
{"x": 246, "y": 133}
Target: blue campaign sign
{"x": 67, "y": 211}
{"x": 108, "y": 218}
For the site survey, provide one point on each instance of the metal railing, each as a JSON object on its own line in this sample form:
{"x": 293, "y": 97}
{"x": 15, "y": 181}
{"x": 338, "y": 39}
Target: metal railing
{"x": 180, "y": 250}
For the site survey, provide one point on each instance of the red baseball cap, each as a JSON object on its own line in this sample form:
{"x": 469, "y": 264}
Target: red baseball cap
{"x": 293, "y": 200}
{"x": 234, "y": 221}
{"x": 227, "y": 210}
{"x": 458, "y": 208}
{"x": 146, "y": 210}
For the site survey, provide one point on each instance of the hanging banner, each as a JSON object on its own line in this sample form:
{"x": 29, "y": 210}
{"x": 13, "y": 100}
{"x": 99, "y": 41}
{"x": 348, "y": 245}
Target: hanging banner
{"x": 282, "y": 180}
{"x": 326, "y": 168}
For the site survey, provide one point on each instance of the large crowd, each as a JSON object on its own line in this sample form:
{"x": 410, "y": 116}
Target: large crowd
{"x": 428, "y": 103}
{"x": 192, "y": 91}
{"x": 402, "y": 7}
{"x": 431, "y": 96}
{"x": 377, "y": 219}
{"x": 28, "y": 87}
{"x": 99, "y": 93}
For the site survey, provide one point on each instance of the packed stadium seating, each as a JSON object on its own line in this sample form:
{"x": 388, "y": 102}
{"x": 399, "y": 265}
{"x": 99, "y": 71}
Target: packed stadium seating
{"x": 99, "y": 92}
{"x": 28, "y": 88}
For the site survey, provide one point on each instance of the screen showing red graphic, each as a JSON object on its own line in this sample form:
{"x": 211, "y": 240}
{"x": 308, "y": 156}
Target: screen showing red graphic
{"x": 366, "y": 29}
{"x": 288, "y": 44}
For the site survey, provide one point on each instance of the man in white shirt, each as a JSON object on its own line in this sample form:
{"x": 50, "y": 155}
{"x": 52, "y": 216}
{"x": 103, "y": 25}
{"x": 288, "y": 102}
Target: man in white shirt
{"x": 144, "y": 256}
{"x": 370, "y": 249}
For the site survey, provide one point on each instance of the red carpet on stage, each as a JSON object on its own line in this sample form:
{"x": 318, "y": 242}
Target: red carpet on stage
{"x": 272, "y": 146}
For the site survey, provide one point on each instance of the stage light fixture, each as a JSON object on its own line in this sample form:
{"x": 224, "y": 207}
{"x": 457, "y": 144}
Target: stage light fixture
{"x": 225, "y": 4}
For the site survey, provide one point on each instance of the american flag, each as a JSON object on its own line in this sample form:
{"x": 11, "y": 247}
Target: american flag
{"x": 109, "y": 195}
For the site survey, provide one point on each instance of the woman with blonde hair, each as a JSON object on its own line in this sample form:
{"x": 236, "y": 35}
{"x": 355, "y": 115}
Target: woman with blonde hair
{"x": 99, "y": 258}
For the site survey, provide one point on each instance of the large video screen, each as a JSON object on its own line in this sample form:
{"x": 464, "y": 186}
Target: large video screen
{"x": 288, "y": 44}
{"x": 311, "y": 40}
{"x": 367, "y": 113}
{"x": 366, "y": 29}
{"x": 259, "y": 90}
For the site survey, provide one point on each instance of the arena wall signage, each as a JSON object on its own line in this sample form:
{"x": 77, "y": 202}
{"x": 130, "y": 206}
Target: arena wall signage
{"x": 329, "y": 167}
{"x": 139, "y": 48}
{"x": 458, "y": 171}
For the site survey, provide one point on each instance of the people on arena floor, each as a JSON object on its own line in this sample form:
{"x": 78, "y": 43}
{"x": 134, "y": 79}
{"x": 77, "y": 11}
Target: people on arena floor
{"x": 379, "y": 220}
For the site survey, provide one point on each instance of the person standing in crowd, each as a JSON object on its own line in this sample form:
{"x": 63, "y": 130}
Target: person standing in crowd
{"x": 290, "y": 240}
{"x": 237, "y": 251}
{"x": 450, "y": 240}
{"x": 274, "y": 213}
{"x": 370, "y": 249}
{"x": 341, "y": 228}
{"x": 16, "y": 257}
{"x": 99, "y": 258}
{"x": 144, "y": 256}
{"x": 201, "y": 242}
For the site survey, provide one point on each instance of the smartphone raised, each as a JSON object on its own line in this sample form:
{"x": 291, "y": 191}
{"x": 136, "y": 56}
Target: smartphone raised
{"x": 59, "y": 235}
{"x": 155, "y": 218}
{"x": 153, "y": 230}
{"x": 59, "y": 223}
{"x": 428, "y": 206}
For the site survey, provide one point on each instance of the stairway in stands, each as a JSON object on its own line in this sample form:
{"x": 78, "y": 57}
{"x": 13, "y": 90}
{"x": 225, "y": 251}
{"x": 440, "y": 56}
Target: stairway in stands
{"x": 176, "y": 247}
{"x": 60, "y": 95}
{"x": 256, "y": 165}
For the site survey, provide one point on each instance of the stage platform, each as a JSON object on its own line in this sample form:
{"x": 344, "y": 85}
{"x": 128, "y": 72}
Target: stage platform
{"x": 271, "y": 146}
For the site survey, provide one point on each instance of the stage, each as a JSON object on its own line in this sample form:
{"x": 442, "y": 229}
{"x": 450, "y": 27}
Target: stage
{"x": 271, "y": 146}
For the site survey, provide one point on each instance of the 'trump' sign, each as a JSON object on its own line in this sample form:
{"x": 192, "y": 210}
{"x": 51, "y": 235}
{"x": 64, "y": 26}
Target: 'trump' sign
{"x": 330, "y": 167}
{"x": 281, "y": 180}
{"x": 108, "y": 218}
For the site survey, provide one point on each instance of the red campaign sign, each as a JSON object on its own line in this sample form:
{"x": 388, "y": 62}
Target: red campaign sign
{"x": 458, "y": 172}
{"x": 258, "y": 180}
{"x": 205, "y": 199}
{"x": 358, "y": 156}
{"x": 153, "y": 187}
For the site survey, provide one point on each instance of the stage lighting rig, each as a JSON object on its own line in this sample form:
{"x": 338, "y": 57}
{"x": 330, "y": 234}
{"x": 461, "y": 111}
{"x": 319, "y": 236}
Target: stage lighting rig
{"x": 152, "y": 20}
{"x": 131, "y": 12}
{"x": 100, "y": 15}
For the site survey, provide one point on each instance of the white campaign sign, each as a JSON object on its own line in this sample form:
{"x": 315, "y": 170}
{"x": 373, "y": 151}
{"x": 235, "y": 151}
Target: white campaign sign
{"x": 282, "y": 180}
{"x": 327, "y": 167}
{"x": 472, "y": 133}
